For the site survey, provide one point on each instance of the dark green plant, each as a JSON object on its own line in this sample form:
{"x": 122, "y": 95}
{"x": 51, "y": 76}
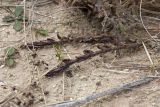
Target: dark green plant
{"x": 9, "y": 52}
{"x": 17, "y": 17}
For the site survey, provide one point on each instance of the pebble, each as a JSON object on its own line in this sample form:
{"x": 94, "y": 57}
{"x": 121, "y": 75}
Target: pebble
{"x": 2, "y": 66}
{"x": 2, "y": 83}
{"x": 83, "y": 77}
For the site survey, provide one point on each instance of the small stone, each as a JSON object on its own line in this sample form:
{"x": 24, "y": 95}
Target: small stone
{"x": 153, "y": 104}
{"x": 2, "y": 83}
{"x": 41, "y": 99}
{"x": 98, "y": 83}
{"x": 46, "y": 93}
{"x": 4, "y": 87}
{"x": 83, "y": 77}
{"x": 18, "y": 103}
{"x": 14, "y": 88}
{"x": 2, "y": 66}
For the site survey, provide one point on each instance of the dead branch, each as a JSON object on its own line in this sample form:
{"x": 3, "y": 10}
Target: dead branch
{"x": 108, "y": 92}
{"x": 69, "y": 40}
{"x": 66, "y": 63}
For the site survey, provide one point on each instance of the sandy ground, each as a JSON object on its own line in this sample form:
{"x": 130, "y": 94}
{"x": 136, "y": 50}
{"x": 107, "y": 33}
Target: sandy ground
{"x": 94, "y": 75}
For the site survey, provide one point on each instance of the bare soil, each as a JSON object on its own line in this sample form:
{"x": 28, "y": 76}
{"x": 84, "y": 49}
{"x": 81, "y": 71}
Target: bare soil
{"x": 92, "y": 76}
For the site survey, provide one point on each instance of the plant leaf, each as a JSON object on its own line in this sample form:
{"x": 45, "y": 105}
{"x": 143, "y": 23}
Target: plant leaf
{"x": 8, "y": 19}
{"x": 20, "y": 18}
{"x": 17, "y": 26}
{"x": 10, "y": 51}
{"x": 9, "y": 62}
{"x": 18, "y": 11}
{"x": 59, "y": 56}
{"x": 121, "y": 28}
{"x": 57, "y": 46}
{"x": 41, "y": 31}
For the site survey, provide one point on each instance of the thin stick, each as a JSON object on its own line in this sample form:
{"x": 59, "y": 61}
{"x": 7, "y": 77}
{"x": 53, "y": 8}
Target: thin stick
{"x": 148, "y": 55}
{"x": 69, "y": 56}
{"x": 64, "y": 74}
{"x": 42, "y": 90}
{"x": 10, "y": 5}
{"x": 140, "y": 14}
{"x": 108, "y": 92}
{"x": 24, "y": 20}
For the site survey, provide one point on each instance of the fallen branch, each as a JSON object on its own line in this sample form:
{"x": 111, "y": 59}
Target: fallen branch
{"x": 108, "y": 92}
{"x": 69, "y": 40}
{"x": 66, "y": 63}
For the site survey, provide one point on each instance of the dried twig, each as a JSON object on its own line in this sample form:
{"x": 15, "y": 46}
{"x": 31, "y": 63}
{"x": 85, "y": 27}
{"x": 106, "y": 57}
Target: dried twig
{"x": 108, "y": 92}
{"x": 66, "y": 63}
{"x": 46, "y": 2}
{"x": 140, "y": 14}
{"x": 149, "y": 57}
{"x": 40, "y": 3}
{"x": 68, "y": 40}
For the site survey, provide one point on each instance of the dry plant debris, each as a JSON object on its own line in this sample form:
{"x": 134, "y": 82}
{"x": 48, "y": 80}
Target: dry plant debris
{"x": 66, "y": 63}
{"x": 118, "y": 18}
{"x": 70, "y": 40}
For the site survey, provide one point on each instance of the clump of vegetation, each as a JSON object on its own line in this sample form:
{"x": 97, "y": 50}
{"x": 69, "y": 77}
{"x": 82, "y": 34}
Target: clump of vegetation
{"x": 16, "y": 17}
{"x": 41, "y": 31}
{"x": 58, "y": 49}
{"x": 9, "y": 60}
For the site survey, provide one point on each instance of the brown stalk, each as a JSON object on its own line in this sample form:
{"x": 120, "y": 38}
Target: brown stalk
{"x": 69, "y": 40}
